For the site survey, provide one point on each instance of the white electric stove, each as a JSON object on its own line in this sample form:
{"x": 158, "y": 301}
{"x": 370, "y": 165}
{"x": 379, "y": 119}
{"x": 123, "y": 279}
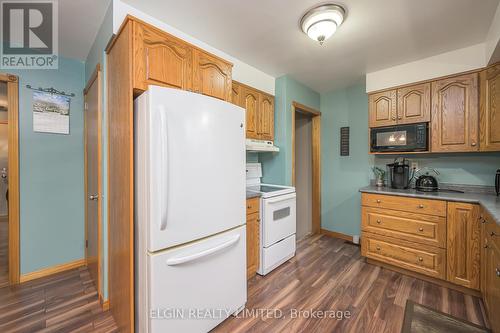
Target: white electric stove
{"x": 278, "y": 220}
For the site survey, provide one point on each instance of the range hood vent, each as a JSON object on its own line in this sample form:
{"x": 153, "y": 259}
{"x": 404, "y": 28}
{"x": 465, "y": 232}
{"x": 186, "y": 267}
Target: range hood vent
{"x": 260, "y": 146}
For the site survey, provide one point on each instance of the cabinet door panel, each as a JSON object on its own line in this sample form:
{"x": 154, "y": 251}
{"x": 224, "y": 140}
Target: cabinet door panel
{"x": 382, "y": 108}
{"x": 235, "y": 93}
{"x": 490, "y": 109}
{"x": 212, "y": 76}
{"x": 493, "y": 286}
{"x": 463, "y": 264}
{"x": 455, "y": 121}
{"x": 266, "y": 117}
{"x": 250, "y": 102}
{"x": 414, "y": 104}
{"x": 161, "y": 59}
{"x": 253, "y": 253}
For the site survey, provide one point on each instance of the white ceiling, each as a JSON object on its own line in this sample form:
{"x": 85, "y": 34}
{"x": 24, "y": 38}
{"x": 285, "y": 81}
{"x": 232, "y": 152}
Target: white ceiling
{"x": 79, "y": 21}
{"x": 376, "y": 34}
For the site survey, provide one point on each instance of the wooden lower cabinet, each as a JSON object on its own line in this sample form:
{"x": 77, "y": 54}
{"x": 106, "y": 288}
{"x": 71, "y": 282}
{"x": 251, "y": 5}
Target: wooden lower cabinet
{"x": 432, "y": 237}
{"x": 490, "y": 269}
{"x": 463, "y": 245}
{"x": 253, "y": 236}
{"x": 424, "y": 259}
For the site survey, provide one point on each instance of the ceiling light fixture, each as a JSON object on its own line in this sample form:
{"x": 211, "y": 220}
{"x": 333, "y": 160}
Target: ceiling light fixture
{"x": 321, "y": 22}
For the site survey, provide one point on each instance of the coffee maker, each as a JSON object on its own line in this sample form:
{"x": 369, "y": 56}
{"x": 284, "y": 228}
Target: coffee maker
{"x": 399, "y": 174}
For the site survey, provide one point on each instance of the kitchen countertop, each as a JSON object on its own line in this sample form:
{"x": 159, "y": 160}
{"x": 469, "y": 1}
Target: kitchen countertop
{"x": 490, "y": 202}
{"x": 251, "y": 194}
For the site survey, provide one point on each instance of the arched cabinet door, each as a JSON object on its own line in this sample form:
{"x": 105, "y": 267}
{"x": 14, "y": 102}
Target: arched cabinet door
{"x": 266, "y": 117}
{"x": 161, "y": 59}
{"x": 455, "y": 116}
{"x": 212, "y": 75}
{"x": 489, "y": 113}
{"x": 250, "y": 102}
{"x": 382, "y": 108}
{"x": 414, "y": 104}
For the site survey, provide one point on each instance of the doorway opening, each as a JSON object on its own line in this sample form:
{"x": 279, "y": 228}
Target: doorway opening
{"x": 306, "y": 168}
{"x": 9, "y": 180}
{"x": 93, "y": 182}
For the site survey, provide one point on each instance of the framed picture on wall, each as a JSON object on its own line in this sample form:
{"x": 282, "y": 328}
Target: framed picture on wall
{"x": 50, "y": 113}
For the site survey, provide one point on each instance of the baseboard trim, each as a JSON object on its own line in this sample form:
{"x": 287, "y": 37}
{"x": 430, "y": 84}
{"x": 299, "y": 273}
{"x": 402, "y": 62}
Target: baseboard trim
{"x": 52, "y": 270}
{"x": 430, "y": 279}
{"x": 104, "y": 304}
{"x": 335, "y": 234}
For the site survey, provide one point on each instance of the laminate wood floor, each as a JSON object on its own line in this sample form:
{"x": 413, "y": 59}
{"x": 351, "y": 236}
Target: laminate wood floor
{"x": 4, "y": 251}
{"x": 64, "y": 302}
{"x": 329, "y": 274}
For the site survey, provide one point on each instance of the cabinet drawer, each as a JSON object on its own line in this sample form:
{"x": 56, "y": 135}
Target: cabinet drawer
{"x": 253, "y": 205}
{"x": 423, "y": 229}
{"x": 419, "y": 258}
{"x": 414, "y": 205}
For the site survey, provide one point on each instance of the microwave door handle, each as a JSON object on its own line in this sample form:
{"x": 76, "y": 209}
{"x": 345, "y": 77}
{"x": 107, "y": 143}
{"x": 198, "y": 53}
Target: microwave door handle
{"x": 164, "y": 170}
{"x": 191, "y": 257}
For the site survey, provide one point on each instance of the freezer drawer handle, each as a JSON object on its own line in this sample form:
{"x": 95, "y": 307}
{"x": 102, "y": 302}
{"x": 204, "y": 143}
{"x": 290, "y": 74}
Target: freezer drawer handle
{"x": 184, "y": 259}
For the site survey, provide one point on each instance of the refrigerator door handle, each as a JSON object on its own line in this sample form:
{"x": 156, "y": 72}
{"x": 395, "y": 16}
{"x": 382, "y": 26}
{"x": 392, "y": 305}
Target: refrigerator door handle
{"x": 191, "y": 257}
{"x": 164, "y": 172}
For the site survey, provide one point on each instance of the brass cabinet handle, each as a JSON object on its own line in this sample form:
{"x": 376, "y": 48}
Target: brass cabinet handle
{"x": 420, "y": 206}
{"x": 378, "y": 221}
{"x": 393, "y": 117}
{"x": 485, "y": 246}
{"x": 473, "y": 144}
{"x": 420, "y": 229}
{"x": 420, "y": 259}
{"x": 379, "y": 201}
{"x": 378, "y": 248}
{"x": 497, "y": 271}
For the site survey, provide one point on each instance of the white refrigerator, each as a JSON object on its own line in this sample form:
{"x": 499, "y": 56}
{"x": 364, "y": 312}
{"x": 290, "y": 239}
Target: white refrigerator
{"x": 190, "y": 211}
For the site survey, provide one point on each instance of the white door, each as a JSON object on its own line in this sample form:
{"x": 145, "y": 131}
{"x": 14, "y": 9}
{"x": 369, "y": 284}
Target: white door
{"x": 279, "y": 218}
{"x": 194, "y": 165}
{"x": 195, "y": 287}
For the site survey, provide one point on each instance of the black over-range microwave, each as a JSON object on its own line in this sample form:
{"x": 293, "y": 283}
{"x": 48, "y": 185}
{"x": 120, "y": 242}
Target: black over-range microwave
{"x": 400, "y": 138}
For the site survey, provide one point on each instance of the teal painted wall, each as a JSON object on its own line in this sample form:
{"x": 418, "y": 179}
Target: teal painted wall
{"x": 51, "y": 174}
{"x": 277, "y": 167}
{"x": 343, "y": 176}
{"x": 97, "y": 55}
{"x": 468, "y": 169}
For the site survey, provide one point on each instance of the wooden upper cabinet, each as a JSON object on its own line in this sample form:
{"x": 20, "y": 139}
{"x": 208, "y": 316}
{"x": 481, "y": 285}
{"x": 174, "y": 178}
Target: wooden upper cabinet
{"x": 235, "y": 93}
{"x": 160, "y": 59}
{"x": 414, "y": 104}
{"x": 455, "y": 116}
{"x": 489, "y": 112}
{"x": 212, "y": 75}
{"x": 463, "y": 245}
{"x": 266, "y": 117}
{"x": 250, "y": 102}
{"x": 382, "y": 109}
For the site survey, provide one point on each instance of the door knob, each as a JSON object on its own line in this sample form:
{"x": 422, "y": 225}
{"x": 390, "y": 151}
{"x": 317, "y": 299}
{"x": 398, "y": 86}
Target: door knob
{"x": 420, "y": 259}
{"x": 378, "y": 221}
{"x": 93, "y": 197}
{"x": 473, "y": 144}
{"x": 379, "y": 201}
{"x": 421, "y": 229}
{"x": 420, "y": 206}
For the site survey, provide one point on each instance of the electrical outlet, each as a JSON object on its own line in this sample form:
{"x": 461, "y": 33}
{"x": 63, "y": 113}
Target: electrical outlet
{"x": 414, "y": 165}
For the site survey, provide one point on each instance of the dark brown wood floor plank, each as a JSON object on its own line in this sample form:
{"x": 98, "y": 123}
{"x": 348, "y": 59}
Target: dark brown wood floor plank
{"x": 330, "y": 274}
{"x": 63, "y": 302}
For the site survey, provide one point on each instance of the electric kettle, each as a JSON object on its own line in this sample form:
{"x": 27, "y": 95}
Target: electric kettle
{"x": 426, "y": 182}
